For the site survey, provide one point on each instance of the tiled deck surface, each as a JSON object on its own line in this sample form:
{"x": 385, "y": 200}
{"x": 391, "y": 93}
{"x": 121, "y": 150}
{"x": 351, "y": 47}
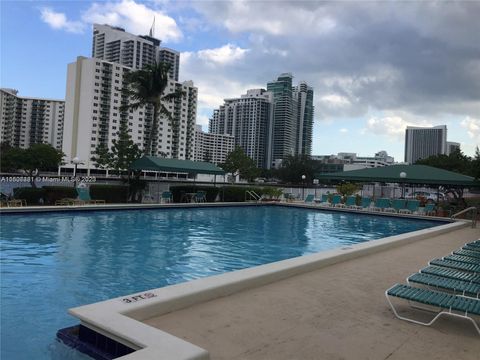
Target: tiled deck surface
{"x": 338, "y": 312}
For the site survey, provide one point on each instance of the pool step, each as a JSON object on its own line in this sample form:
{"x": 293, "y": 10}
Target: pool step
{"x": 91, "y": 343}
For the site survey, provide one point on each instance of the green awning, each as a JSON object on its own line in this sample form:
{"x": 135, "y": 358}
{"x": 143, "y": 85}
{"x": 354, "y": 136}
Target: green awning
{"x": 153, "y": 163}
{"x": 414, "y": 174}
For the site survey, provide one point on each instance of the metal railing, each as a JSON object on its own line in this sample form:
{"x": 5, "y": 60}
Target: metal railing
{"x": 252, "y": 195}
{"x": 474, "y": 211}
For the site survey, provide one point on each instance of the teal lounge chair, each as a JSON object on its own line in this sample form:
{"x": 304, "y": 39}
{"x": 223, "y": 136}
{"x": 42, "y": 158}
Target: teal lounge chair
{"x": 429, "y": 209}
{"x": 325, "y": 201}
{"x": 399, "y": 204}
{"x": 336, "y": 200}
{"x": 366, "y": 201}
{"x": 458, "y": 265}
{"x": 466, "y": 252}
{"x": 166, "y": 197}
{"x": 452, "y": 273}
{"x": 445, "y": 304}
{"x": 84, "y": 195}
{"x": 309, "y": 198}
{"x": 456, "y": 286}
{"x": 200, "y": 196}
{"x": 351, "y": 203}
{"x": 381, "y": 204}
{"x": 411, "y": 208}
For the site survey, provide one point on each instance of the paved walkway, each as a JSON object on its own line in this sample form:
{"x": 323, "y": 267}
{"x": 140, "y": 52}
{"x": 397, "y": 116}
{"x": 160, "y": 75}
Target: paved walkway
{"x": 338, "y": 312}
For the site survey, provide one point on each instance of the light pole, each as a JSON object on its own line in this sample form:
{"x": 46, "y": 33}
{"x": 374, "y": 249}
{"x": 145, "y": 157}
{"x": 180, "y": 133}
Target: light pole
{"x": 403, "y": 175}
{"x": 303, "y": 186}
{"x": 76, "y": 160}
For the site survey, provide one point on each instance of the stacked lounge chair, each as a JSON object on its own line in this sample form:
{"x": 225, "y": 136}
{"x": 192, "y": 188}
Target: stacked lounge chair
{"x": 449, "y": 286}
{"x": 324, "y": 201}
{"x": 411, "y": 207}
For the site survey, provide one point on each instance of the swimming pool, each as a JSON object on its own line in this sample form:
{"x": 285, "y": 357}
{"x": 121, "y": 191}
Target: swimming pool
{"x": 51, "y": 262}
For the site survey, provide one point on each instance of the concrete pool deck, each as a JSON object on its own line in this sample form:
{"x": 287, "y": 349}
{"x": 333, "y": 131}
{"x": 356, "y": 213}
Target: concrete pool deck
{"x": 336, "y": 312}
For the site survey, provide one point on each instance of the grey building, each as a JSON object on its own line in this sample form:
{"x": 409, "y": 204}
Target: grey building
{"x": 423, "y": 142}
{"x": 303, "y": 97}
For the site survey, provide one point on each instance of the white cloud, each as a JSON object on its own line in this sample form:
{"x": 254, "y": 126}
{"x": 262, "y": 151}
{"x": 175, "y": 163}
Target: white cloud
{"x": 203, "y": 120}
{"x": 343, "y": 130}
{"x": 134, "y": 17}
{"x": 223, "y": 55}
{"x": 334, "y": 100}
{"x": 59, "y": 21}
{"x": 392, "y": 126}
{"x": 473, "y": 128}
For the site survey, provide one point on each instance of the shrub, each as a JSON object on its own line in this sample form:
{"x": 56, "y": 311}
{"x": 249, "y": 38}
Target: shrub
{"x": 347, "y": 189}
{"x": 272, "y": 192}
{"x": 109, "y": 193}
{"x": 54, "y": 193}
{"x": 31, "y": 195}
{"x": 178, "y": 191}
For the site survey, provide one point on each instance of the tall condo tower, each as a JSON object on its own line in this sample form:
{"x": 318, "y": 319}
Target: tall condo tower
{"x": 422, "y": 142}
{"x": 284, "y": 139}
{"x": 249, "y": 119}
{"x": 94, "y": 98}
{"x": 26, "y": 121}
{"x": 303, "y": 97}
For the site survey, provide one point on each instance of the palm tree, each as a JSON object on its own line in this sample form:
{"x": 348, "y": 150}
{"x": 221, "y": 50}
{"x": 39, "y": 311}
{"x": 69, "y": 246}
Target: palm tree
{"x": 147, "y": 87}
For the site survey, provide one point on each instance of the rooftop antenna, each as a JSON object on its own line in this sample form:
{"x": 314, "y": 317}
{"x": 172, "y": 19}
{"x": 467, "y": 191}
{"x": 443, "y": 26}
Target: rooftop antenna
{"x": 152, "y": 29}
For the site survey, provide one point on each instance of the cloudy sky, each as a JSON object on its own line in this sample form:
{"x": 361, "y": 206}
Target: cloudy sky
{"x": 376, "y": 66}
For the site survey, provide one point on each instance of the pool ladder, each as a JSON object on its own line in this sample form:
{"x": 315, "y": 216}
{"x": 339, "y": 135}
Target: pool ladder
{"x": 474, "y": 211}
{"x": 252, "y": 195}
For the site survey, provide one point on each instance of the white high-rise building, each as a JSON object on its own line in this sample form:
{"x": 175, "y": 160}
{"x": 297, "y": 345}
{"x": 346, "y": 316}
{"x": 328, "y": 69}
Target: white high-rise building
{"x": 423, "y": 142}
{"x": 114, "y": 44}
{"x": 452, "y": 147}
{"x": 213, "y": 148}
{"x": 303, "y": 98}
{"x": 93, "y": 113}
{"x": 249, "y": 119}
{"x": 27, "y": 121}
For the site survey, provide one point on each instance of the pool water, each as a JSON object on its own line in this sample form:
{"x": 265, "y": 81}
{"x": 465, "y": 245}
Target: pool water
{"x": 51, "y": 262}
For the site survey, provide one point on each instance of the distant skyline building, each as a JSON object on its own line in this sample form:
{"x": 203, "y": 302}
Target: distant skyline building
{"x": 423, "y": 142}
{"x": 345, "y": 161}
{"x": 249, "y": 120}
{"x": 27, "y": 121}
{"x": 303, "y": 96}
{"x": 452, "y": 147}
{"x": 213, "y": 148}
{"x": 284, "y": 139}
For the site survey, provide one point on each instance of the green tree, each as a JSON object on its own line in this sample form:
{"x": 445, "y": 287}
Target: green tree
{"x": 293, "y": 167}
{"x": 238, "y": 163}
{"x": 146, "y": 87}
{"x": 120, "y": 157}
{"x": 475, "y": 165}
{"x": 347, "y": 189}
{"x": 37, "y": 158}
{"x": 457, "y": 161}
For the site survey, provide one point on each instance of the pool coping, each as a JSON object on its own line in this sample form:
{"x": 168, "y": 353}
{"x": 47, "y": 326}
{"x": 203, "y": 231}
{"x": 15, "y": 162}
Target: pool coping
{"x": 121, "y": 318}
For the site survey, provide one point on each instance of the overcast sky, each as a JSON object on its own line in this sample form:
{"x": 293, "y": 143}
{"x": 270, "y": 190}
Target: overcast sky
{"x": 375, "y": 66}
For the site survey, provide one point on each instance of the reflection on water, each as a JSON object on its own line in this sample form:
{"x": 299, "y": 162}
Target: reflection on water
{"x": 55, "y": 261}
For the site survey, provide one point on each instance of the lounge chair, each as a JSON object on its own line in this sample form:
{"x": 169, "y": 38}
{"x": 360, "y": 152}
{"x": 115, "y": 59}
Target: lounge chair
{"x": 466, "y": 252}
{"x": 16, "y": 203}
{"x": 398, "y": 204}
{"x": 84, "y": 195}
{"x": 445, "y": 304}
{"x": 381, "y": 204}
{"x": 166, "y": 197}
{"x": 459, "y": 265}
{"x": 69, "y": 202}
{"x": 464, "y": 259}
{"x": 324, "y": 201}
{"x": 351, "y": 203}
{"x": 366, "y": 201}
{"x": 471, "y": 248}
{"x": 200, "y": 196}
{"x": 452, "y": 273}
{"x": 429, "y": 209}
{"x": 309, "y": 198}
{"x": 456, "y": 286}
{"x": 336, "y": 200}
{"x": 411, "y": 208}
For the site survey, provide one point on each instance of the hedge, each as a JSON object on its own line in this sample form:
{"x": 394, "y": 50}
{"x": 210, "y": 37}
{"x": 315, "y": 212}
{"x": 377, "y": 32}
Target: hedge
{"x": 54, "y": 193}
{"x": 31, "y": 195}
{"x": 109, "y": 193}
{"x": 237, "y": 193}
{"x": 178, "y": 191}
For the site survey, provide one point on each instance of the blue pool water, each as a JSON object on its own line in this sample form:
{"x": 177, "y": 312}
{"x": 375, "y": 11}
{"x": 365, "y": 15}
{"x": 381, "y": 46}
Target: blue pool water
{"x": 54, "y": 261}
